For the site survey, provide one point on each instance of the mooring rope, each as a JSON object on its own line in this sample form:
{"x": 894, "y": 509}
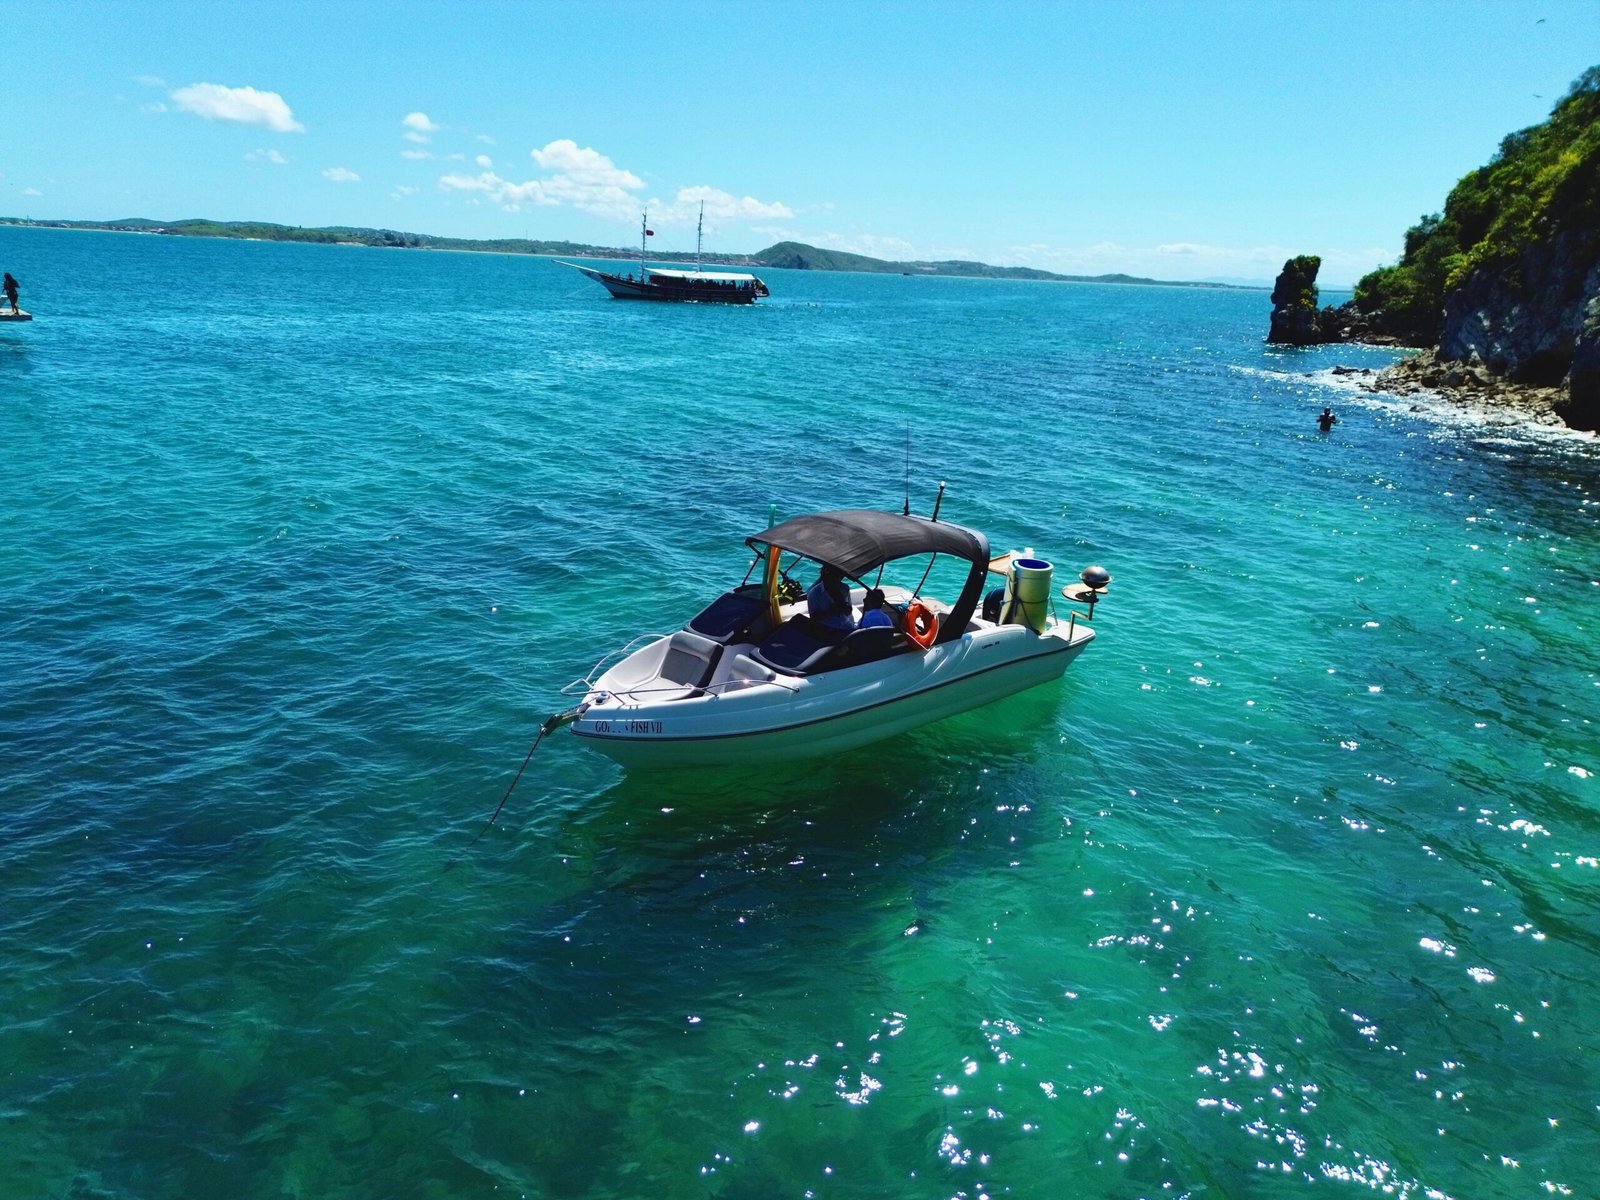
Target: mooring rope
{"x": 552, "y": 723}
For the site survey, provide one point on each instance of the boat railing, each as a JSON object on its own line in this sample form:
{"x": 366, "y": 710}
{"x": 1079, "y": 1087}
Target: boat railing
{"x": 664, "y": 689}
{"x": 579, "y": 686}
{"x": 658, "y": 687}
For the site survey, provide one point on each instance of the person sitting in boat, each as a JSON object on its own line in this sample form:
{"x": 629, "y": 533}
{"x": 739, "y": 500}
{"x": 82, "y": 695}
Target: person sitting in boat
{"x": 875, "y": 611}
{"x": 828, "y": 601}
{"x": 10, "y": 287}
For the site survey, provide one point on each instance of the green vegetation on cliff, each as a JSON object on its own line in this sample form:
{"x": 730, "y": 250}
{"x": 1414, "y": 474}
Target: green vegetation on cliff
{"x": 1297, "y": 286}
{"x": 1543, "y": 183}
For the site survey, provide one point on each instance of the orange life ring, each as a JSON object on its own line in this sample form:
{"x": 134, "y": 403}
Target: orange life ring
{"x": 922, "y": 624}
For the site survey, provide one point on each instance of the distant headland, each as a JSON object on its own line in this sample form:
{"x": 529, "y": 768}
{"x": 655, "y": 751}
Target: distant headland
{"x": 1500, "y": 291}
{"x": 794, "y": 256}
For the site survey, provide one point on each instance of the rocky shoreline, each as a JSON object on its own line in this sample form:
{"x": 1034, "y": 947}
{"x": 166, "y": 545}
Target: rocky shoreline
{"x": 1467, "y": 385}
{"x": 1556, "y": 359}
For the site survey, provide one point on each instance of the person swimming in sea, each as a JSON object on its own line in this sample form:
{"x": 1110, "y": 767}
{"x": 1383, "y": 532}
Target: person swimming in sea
{"x": 1327, "y": 420}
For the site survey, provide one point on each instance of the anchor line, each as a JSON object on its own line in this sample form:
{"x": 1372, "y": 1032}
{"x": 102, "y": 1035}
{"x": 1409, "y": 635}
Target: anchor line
{"x": 552, "y": 723}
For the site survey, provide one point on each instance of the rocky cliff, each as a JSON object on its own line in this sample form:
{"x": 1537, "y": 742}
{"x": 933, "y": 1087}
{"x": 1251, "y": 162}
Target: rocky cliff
{"x": 1503, "y": 286}
{"x": 1534, "y": 321}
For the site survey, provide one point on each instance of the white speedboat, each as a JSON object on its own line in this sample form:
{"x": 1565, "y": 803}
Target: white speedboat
{"x": 754, "y": 678}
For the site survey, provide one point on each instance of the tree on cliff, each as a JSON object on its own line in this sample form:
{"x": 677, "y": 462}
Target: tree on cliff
{"x": 1542, "y": 183}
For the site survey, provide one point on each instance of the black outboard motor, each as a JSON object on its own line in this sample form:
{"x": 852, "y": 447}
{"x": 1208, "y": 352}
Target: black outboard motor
{"x": 992, "y": 603}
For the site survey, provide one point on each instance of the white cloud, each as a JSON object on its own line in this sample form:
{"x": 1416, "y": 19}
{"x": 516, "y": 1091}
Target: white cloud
{"x": 341, "y": 175}
{"x": 245, "y": 105}
{"x": 581, "y": 177}
{"x": 566, "y": 158}
{"x": 271, "y": 156}
{"x": 720, "y": 207}
{"x": 416, "y": 154}
{"x": 501, "y": 191}
{"x": 419, "y": 128}
{"x": 485, "y": 139}
{"x": 32, "y": 192}
{"x": 401, "y": 192}
{"x": 154, "y": 81}
{"x": 155, "y": 106}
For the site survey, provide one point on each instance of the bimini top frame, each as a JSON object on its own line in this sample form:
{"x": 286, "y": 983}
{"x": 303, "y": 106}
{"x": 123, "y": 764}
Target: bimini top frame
{"x": 858, "y": 539}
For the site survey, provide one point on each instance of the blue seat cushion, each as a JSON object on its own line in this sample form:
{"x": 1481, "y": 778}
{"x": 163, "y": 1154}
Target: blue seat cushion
{"x": 731, "y": 615}
{"x": 797, "y": 645}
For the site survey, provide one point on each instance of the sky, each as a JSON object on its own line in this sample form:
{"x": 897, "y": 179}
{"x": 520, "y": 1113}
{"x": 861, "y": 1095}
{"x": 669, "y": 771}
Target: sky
{"x": 1183, "y": 141}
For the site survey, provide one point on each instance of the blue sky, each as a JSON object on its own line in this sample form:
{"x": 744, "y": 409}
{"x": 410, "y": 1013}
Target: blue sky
{"x": 1183, "y": 141}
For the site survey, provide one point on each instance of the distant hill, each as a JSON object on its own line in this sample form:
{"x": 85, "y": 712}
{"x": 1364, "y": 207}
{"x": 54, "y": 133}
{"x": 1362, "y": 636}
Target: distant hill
{"x": 332, "y": 235}
{"x": 794, "y": 256}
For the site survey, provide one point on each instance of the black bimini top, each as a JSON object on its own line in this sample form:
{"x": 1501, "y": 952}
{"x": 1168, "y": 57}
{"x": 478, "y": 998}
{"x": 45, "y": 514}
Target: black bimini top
{"x": 857, "y": 539}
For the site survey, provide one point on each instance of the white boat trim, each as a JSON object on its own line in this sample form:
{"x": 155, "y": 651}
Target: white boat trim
{"x": 707, "y": 276}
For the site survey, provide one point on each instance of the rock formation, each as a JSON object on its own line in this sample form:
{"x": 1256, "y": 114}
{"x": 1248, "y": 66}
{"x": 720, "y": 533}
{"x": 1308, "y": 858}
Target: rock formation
{"x": 1297, "y": 321}
{"x": 1294, "y": 303}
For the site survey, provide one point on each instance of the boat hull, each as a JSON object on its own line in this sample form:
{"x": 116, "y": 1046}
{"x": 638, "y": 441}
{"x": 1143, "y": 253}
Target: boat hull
{"x": 675, "y": 291}
{"x": 829, "y": 714}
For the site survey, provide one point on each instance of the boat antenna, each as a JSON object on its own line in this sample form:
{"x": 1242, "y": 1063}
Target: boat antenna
{"x": 698, "y": 230}
{"x": 938, "y": 500}
{"x": 644, "y": 232}
{"x": 908, "y": 470}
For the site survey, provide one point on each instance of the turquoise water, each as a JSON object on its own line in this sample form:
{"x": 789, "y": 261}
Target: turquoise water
{"x": 1291, "y": 885}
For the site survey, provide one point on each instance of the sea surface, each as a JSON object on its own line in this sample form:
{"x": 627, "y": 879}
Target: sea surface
{"x": 1290, "y": 887}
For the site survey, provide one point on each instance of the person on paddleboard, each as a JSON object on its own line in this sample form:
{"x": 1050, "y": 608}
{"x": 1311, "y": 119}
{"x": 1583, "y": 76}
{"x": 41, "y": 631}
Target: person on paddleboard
{"x": 10, "y": 288}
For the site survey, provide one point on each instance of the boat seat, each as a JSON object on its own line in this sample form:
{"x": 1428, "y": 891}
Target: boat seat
{"x": 798, "y": 645}
{"x": 732, "y": 616}
{"x": 865, "y": 646}
{"x": 688, "y": 662}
